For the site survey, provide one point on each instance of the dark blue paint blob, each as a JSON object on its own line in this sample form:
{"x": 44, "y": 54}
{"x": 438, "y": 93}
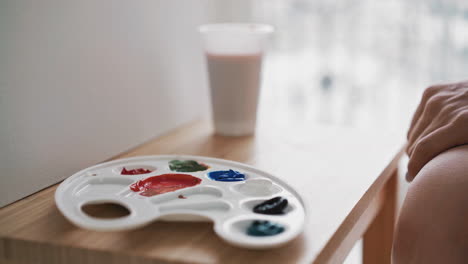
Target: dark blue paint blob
{"x": 274, "y": 206}
{"x": 264, "y": 228}
{"x": 226, "y": 175}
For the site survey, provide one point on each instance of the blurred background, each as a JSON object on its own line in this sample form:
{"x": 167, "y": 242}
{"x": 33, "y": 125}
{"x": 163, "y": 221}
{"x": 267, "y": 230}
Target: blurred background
{"x": 81, "y": 81}
{"x": 361, "y": 63}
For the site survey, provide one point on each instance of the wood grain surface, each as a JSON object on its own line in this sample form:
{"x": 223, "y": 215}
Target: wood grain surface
{"x": 339, "y": 172}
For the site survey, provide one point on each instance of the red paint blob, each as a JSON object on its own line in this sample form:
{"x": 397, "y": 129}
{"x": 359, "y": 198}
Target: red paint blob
{"x": 134, "y": 171}
{"x": 164, "y": 183}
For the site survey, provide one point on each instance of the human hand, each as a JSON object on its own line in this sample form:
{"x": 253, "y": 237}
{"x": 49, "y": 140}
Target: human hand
{"x": 439, "y": 123}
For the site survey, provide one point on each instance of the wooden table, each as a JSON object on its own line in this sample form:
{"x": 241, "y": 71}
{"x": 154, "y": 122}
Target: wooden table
{"x": 347, "y": 177}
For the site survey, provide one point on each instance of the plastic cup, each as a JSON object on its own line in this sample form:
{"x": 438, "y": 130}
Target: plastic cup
{"x": 234, "y": 55}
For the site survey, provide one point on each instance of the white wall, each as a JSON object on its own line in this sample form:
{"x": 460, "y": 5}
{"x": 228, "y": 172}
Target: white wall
{"x": 232, "y": 11}
{"x": 83, "y": 80}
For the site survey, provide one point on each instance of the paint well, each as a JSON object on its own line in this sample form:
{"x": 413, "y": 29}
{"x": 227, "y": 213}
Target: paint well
{"x": 164, "y": 183}
{"x": 226, "y": 175}
{"x": 274, "y": 206}
{"x": 187, "y": 166}
{"x": 136, "y": 171}
{"x": 264, "y": 228}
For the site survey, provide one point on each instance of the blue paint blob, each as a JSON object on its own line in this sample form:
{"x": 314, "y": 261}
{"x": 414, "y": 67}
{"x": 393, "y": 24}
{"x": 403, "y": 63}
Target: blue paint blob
{"x": 226, "y": 176}
{"x": 264, "y": 228}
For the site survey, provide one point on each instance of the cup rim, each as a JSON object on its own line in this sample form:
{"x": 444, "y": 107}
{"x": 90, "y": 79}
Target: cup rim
{"x": 253, "y": 28}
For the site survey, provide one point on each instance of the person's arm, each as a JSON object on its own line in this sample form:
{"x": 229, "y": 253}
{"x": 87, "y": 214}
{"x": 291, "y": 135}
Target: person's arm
{"x": 433, "y": 222}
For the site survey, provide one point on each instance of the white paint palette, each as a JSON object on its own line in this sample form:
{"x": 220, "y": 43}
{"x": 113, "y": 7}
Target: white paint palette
{"x": 229, "y": 205}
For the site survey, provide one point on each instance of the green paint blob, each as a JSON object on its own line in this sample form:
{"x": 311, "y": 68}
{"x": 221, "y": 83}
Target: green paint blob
{"x": 264, "y": 228}
{"x": 186, "y": 166}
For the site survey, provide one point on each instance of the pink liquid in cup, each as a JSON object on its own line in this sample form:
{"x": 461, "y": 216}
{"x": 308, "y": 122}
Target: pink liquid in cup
{"x": 235, "y": 86}
{"x": 234, "y": 54}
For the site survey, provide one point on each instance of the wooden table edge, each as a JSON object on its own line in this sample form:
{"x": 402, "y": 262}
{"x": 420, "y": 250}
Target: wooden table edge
{"x": 365, "y": 219}
{"x": 362, "y": 219}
